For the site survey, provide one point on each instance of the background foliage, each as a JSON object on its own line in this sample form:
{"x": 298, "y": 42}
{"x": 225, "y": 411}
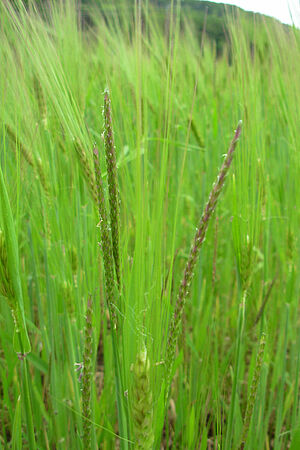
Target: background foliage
{"x": 177, "y": 96}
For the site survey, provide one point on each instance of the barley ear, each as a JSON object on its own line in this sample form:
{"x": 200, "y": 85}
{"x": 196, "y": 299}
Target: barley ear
{"x": 193, "y": 256}
{"x": 142, "y": 402}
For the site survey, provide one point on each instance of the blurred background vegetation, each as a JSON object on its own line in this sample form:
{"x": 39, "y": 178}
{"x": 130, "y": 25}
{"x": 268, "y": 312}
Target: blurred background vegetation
{"x": 203, "y": 16}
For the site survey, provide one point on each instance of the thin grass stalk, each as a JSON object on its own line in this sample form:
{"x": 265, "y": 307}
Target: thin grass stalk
{"x": 113, "y": 189}
{"x": 253, "y": 390}
{"x": 240, "y": 333}
{"x": 87, "y": 377}
{"x": 297, "y": 372}
{"x": 27, "y": 401}
{"x": 193, "y": 256}
{"x": 121, "y": 402}
{"x": 280, "y": 408}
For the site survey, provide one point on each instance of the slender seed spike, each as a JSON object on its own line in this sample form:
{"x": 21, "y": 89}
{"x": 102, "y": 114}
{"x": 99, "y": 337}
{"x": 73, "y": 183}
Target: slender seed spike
{"x": 113, "y": 189}
{"x": 87, "y": 377}
{"x": 105, "y": 239}
{"x": 253, "y": 389}
{"x": 193, "y": 256}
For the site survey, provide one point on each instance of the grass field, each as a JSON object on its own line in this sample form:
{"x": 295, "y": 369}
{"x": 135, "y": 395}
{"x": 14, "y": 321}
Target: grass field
{"x": 106, "y": 339}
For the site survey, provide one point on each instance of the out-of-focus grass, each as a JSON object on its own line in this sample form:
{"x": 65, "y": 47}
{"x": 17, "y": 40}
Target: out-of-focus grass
{"x": 174, "y": 108}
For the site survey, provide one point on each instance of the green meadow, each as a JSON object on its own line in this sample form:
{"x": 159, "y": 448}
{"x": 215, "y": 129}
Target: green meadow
{"x": 149, "y": 284}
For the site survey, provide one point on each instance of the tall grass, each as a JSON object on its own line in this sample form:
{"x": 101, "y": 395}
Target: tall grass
{"x": 174, "y": 106}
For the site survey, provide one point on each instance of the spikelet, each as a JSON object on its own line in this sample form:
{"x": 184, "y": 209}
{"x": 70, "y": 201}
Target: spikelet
{"x": 87, "y": 376}
{"x": 253, "y": 389}
{"x": 142, "y": 403}
{"x": 113, "y": 189}
{"x": 192, "y": 259}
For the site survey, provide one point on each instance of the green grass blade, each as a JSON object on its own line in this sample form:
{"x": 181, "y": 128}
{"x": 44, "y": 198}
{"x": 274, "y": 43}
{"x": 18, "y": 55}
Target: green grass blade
{"x": 17, "y": 429}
